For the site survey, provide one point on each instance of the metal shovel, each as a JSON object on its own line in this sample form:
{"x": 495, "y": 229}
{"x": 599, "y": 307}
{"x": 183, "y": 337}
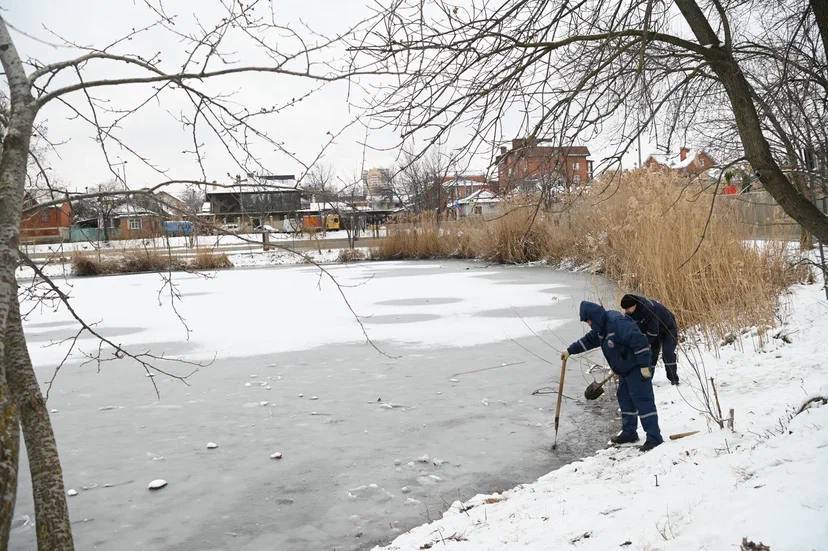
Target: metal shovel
{"x": 596, "y": 389}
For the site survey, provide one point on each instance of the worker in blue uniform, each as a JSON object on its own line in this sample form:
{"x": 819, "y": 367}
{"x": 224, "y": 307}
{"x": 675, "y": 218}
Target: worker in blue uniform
{"x": 628, "y": 354}
{"x": 659, "y": 325}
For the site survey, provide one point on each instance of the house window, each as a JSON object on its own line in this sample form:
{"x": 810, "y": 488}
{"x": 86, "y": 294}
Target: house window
{"x": 576, "y": 179}
{"x": 134, "y": 223}
{"x": 575, "y": 165}
{"x": 44, "y": 216}
{"x": 478, "y": 209}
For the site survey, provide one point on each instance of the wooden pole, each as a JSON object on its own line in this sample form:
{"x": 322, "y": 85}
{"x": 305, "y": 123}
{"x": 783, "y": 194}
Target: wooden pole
{"x": 683, "y": 434}
{"x": 560, "y": 399}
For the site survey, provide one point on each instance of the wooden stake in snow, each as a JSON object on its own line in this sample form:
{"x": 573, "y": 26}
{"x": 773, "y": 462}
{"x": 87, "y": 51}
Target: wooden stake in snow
{"x": 683, "y": 434}
{"x": 560, "y": 397}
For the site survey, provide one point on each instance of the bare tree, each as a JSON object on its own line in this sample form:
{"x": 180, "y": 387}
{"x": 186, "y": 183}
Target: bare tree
{"x": 567, "y": 72}
{"x": 77, "y": 86}
{"x": 419, "y": 181}
{"x": 193, "y": 198}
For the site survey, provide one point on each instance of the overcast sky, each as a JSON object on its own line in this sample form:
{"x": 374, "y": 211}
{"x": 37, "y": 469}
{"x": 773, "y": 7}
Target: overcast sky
{"x": 154, "y": 132}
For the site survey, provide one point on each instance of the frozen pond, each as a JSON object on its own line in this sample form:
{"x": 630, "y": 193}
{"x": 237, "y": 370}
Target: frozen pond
{"x": 293, "y": 374}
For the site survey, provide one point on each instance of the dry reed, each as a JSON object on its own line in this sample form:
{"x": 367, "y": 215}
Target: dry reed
{"x": 146, "y": 261}
{"x": 644, "y": 232}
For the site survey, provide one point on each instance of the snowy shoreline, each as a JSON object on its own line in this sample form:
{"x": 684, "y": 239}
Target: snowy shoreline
{"x": 707, "y": 491}
{"x": 241, "y": 260}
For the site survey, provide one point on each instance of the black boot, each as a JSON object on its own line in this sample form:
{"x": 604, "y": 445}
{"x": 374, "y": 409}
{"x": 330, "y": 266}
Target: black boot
{"x": 622, "y": 438}
{"x": 672, "y": 374}
{"x": 650, "y": 444}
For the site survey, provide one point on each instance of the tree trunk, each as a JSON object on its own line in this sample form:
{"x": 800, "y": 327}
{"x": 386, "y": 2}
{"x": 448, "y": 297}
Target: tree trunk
{"x": 757, "y": 149}
{"x": 18, "y": 381}
{"x": 54, "y": 532}
{"x": 12, "y": 177}
{"x": 820, "y": 9}
{"x": 9, "y": 450}
{"x": 13, "y": 164}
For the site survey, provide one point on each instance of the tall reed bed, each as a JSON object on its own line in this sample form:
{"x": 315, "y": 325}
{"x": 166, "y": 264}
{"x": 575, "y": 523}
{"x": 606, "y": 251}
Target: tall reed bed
{"x": 650, "y": 233}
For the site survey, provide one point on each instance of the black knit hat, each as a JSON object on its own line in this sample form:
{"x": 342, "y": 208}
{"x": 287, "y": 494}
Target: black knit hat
{"x": 627, "y": 301}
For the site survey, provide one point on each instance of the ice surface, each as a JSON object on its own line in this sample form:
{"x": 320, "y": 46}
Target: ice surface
{"x": 310, "y": 343}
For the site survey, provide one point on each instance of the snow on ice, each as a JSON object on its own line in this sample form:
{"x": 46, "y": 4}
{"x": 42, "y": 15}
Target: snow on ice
{"x": 157, "y": 484}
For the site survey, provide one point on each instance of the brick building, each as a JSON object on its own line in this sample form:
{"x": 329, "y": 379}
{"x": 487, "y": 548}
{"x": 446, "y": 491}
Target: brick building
{"x": 688, "y": 162}
{"x": 528, "y": 165}
{"x": 48, "y": 223}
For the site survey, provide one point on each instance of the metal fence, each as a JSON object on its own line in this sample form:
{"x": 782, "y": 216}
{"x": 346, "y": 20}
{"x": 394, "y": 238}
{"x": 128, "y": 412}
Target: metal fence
{"x": 759, "y": 214}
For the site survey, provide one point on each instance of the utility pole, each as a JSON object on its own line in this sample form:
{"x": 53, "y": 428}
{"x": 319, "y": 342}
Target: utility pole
{"x": 639, "y": 148}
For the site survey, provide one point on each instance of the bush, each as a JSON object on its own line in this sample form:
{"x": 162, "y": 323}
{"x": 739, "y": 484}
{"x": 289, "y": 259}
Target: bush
{"x": 146, "y": 261}
{"x": 350, "y": 255}
{"x": 84, "y": 265}
{"x": 149, "y": 261}
{"x": 210, "y": 261}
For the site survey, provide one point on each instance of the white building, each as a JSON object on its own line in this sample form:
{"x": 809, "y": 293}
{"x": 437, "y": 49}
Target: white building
{"x": 479, "y": 203}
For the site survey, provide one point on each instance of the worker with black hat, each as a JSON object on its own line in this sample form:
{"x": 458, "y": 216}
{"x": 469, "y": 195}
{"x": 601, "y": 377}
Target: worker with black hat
{"x": 659, "y": 326}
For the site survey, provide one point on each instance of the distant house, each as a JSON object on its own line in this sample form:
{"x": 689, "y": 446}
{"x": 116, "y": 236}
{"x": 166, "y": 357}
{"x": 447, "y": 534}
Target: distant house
{"x": 172, "y": 205}
{"x": 47, "y": 223}
{"x": 266, "y": 200}
{"x": 529, "y": 165}
{"x": 134, "y": 222}
{"x": 461, "y": 186}
{"x": 479, "y": 203}
{"x": 688, "y": 162}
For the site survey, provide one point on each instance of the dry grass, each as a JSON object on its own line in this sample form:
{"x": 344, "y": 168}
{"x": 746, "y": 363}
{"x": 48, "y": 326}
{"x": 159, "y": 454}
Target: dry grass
{"x": 642, "y": 232}
{"x": 148, "y": 261}
{"x": 210, "y": 261}
{"x": 350, "y": 255}
{"x": 85, "y": 265}
{"x": 145, "y": 261}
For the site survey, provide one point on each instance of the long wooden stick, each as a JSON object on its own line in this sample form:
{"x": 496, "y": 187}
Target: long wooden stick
{"x": 683, "y": 434}
{"x": 560, "y": 398}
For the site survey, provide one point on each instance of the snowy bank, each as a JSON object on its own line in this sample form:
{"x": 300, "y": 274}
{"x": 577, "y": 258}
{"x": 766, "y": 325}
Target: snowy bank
{"x": 765, "y": 481}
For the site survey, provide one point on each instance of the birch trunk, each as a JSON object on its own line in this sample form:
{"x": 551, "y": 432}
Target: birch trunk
{"x": 51, "y": 511}
{"x": 13, "y": 161}
{"x": 9, "y": 450}
{"x": 20, "y": 397}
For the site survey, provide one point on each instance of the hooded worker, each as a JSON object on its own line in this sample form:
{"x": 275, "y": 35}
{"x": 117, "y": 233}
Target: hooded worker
{"x": 659, "y": 325}
{"x": 628, "y": 353}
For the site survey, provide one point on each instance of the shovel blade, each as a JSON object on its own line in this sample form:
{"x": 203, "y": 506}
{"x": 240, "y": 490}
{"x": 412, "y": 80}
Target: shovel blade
{"x": 594, "y": 391}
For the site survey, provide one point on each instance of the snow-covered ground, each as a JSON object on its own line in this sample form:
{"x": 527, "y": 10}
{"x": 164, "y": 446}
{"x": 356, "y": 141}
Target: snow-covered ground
{"x": 764, "y": 481}
{"x": 371, "y": 444}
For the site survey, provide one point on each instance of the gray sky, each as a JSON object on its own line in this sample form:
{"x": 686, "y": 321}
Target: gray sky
{"x": 155, "y": 133}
